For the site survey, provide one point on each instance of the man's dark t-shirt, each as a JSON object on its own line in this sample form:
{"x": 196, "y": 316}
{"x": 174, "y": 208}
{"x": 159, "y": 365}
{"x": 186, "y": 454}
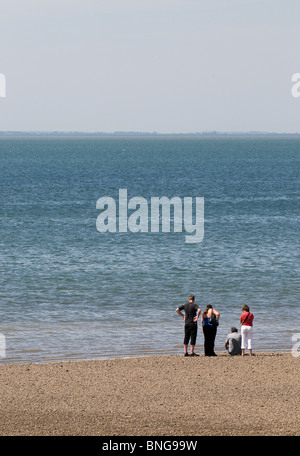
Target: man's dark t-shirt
{"x": 190, "y": 311}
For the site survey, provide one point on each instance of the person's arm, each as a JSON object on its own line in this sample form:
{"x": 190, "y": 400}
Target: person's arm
{"x": 198, "y": 314}
{"x": 179, "y": 312}
{"x": 217, "y": 314}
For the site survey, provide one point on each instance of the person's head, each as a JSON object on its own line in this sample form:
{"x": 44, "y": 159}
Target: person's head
{"x": 191, "y": 298}
{"x": 209, "y": 306}
{"x": 234, "y": 330}
{"x": 245, "y": 308}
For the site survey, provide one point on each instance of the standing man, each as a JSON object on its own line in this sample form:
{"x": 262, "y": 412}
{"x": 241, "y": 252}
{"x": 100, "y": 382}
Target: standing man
{"x": 191, "y": 314}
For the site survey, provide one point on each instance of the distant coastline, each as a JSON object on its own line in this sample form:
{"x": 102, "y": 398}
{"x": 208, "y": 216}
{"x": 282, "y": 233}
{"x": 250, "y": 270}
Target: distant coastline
{"x": 142, "y": 134}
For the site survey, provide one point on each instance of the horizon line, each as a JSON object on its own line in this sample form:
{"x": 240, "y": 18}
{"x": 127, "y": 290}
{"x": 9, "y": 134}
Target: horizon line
{"x": 141, "y": 133}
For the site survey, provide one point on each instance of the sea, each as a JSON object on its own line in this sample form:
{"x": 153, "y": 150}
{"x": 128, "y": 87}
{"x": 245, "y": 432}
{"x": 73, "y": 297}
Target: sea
{"x": 69, "y": 291}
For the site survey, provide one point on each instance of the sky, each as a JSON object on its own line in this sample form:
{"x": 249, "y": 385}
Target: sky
{"x": 169, "y": 66}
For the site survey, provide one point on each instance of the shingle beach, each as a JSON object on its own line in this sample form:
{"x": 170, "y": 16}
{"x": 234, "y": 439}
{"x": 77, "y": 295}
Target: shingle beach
{"x": 153, "y": 396}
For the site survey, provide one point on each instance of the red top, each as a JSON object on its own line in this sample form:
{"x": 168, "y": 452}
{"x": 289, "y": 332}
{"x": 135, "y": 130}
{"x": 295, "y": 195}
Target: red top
{"x": 249, "y": 320}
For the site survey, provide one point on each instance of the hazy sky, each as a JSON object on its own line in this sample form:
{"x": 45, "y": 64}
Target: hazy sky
{"x": 149, "y": 65}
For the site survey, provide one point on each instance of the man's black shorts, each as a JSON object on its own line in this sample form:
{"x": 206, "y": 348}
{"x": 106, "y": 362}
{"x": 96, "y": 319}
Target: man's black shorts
{"x": 190, "y": 333}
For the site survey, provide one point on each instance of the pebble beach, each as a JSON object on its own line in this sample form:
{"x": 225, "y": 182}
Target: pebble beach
{"x": 168, "y": 395}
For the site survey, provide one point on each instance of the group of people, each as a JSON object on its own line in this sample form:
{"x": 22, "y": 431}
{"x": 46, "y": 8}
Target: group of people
{"x": 235, "y": 342}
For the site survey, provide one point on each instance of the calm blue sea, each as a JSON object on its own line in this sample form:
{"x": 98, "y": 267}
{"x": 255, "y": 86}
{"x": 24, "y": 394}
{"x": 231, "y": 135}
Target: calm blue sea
{"x": 68, "y": 291}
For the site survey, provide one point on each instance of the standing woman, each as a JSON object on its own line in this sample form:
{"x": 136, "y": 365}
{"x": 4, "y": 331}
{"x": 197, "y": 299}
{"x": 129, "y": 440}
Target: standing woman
{"x": 210, "y": 321}
{"x": 246, "y": 320}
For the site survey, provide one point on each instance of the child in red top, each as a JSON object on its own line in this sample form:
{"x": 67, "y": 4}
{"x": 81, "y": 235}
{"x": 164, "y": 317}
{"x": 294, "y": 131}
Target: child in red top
{"x": 246, "y": 320}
